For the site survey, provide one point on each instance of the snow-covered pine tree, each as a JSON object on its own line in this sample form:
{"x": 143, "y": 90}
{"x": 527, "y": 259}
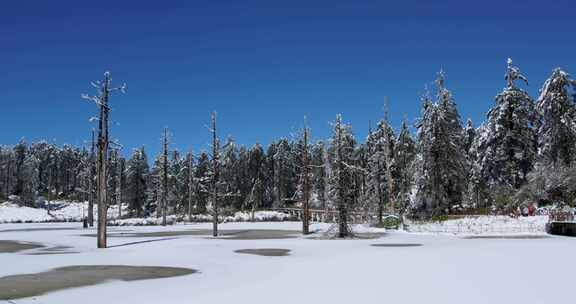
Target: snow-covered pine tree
{"x": 153, "y": 204}
{"x": 113, "y": 164}
{"x": 92, "y": 181}
{"x": 215, "y": 175}
{"x": 177, "y": 183}
{"x": 202, "y": 183}
{"x": 375, "y": 194}
{"x": 557, "y": 131}
{"x": 450, "y": 136}
{"x": 441, "y": 163}
{"x": 505, "y": 149}
{"x": 121, "y": 184}
{"x": 283, "y": 171}
{"x": 6, "y": 171}
{"x": 469, "y": 136}
{"x": 303, "y": 165}
{"x": 380, "y": 148}
{"x": 318, "y": 176}
{"x": 427, "y": 165}
{"x": 218, "y": 188}
{"x": 341, "y": 181}
{"x": 137, "y": 172}
{"x": 402, "y": 167}
{"x": 19, "y": 156}
{"x": 256, "y": 175}
{"x": 164, "y": 176}
{"x": 187, "y": 177}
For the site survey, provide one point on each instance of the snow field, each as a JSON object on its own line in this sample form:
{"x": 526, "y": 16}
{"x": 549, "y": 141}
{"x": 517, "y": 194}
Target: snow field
{"x": 445, "y": 269}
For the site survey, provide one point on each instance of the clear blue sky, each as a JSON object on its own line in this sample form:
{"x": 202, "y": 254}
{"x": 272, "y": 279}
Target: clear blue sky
{"x": 262, "y": 65}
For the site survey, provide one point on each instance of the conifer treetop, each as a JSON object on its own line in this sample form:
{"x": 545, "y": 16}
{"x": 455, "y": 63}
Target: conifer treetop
{"x": 512, "y": 74}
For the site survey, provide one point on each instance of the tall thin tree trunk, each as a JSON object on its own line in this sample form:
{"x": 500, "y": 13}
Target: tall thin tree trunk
{"x": 101, "y": 167}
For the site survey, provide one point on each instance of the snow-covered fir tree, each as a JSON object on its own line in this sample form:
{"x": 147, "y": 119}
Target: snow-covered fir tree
{"x": 557, "y": 131}
{"x": 319, "y": 176}
{"x": 402, "y": 167}
{"x": 505, "y": 148}
{"x": 202, "y": 179}
{"x": 380, "y": 150}
{"x": 341, "y": 183}
{"x": 137, "y": 176}
{"x": 441, "y": 163}
{"x": 469, "y": 136}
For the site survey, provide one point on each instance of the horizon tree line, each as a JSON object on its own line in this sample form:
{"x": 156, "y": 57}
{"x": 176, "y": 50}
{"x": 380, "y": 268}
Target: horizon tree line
{"x": 523, "y": 151}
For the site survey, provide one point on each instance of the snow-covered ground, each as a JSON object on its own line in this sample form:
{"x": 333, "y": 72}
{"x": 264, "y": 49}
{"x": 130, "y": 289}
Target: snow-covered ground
{"x": 484, "y": 225}
{"x": 59, "y": 212}
{"x": 445, "y": 269}
{"x": 76, "y": 211}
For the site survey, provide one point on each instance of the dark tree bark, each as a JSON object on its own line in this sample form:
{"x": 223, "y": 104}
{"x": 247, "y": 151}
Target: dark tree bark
{"x": 101, "y": 101}
{"x": 101, "y": 165}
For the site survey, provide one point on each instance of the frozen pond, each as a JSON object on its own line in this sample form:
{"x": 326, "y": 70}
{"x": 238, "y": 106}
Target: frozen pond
{"x": 505, "y": 268}
{"x": 15, "y": 246}
{"x": 265, "y": 251}
{"x": 35, "y": 284}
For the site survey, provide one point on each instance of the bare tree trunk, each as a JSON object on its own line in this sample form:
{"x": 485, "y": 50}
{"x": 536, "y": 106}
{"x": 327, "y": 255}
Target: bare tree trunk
{"x": 101, "y": 167}
{"x": 215, "y": 164}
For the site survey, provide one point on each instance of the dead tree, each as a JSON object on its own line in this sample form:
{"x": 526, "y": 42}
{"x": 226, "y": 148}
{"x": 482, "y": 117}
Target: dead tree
{"x": 101, "y": 100}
